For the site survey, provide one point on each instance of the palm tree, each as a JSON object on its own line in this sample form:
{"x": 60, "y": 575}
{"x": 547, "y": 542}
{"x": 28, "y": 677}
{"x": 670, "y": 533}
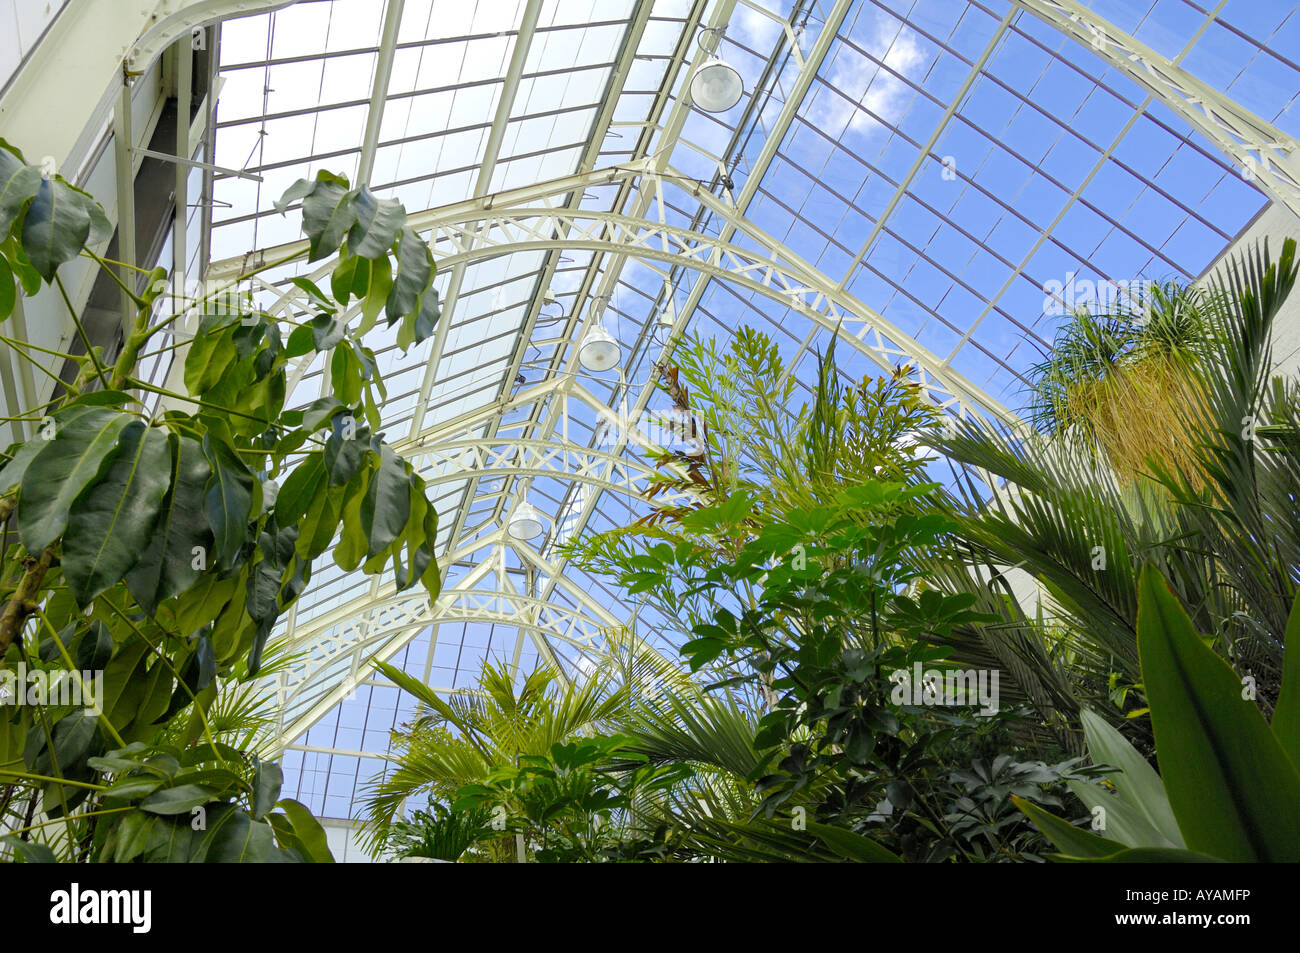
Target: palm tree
{"x": 461, "y": 738}
{"x": 1217, "y": 510}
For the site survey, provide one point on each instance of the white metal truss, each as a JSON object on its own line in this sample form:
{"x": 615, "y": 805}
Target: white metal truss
{"x": 1266, "y": 155}
{"x": 494, "y": 225}
{"x": 333, "y": 653}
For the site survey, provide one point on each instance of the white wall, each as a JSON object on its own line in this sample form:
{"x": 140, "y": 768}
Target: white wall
{"x": 342, "y": 839}
{"x": 1276, "y": 223}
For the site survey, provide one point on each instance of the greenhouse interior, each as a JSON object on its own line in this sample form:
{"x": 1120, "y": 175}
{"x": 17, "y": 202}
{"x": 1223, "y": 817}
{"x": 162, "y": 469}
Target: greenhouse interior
{"x": 649, "y": 431}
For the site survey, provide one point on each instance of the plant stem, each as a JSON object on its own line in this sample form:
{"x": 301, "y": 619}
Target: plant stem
{"x": 81, "y": 332}
{"x": 111, "y": 810}
{"x": 108, "y": 725}
{"x": 233, "y": 284}
{"x": 23, "y": 601}
{"x": 163, "y": 658}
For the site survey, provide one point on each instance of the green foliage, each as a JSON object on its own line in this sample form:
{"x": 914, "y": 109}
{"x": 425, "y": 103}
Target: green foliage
{"x": 1228, "y": 780}
{"x": 1219, "y": 518}
{"x": 161, "y": 547}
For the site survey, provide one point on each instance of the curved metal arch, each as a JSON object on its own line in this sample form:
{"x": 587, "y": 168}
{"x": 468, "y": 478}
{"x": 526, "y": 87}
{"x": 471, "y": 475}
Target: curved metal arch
{"x": 1265, "y": 153}
{"x": 773, "y": 272}
{"x": 337, "y": 646}
{"x": 489, "y": 458}
{"x": 522, "y": 220}
{"x": 304, "y": 694}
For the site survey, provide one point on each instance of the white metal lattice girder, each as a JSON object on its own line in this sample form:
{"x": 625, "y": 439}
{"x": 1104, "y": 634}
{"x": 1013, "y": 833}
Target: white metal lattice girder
{"x": 339, "y": 646}
{"x": 773, "y": 271}
{"x": 1267, "y": 156}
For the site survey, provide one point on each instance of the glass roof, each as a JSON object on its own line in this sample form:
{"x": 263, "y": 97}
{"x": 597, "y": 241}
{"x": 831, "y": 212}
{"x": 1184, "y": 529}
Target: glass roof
{"x": 938, "y": 164}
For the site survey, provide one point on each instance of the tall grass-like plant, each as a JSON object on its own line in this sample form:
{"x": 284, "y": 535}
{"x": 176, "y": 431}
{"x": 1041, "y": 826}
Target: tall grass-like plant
{"x": 1119, "y": 383}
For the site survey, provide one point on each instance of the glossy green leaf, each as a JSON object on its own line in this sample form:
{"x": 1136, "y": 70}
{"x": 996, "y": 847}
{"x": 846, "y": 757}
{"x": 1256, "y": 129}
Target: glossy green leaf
{"x": 1070, "y": 840}
{"x": 1286, "y": 716}
{"x": 414, "y": 272}
{"x": 267, "y": 781}
{"x": 19, "y": 183}
{"x": 228, "y": 501}
{"x": 178, "y": 800}
{"x": 308, "y": 832}
{"x": 94, "y": 648}
{"x": 61, "y": 471}
{"x": 851, "y": 846}
{"x": 345, "y": 448}
{"x": 1136, "y": 783}
{"x": 56, "y": 226}
{"x": 170, "y": 562}
{"x": 300, "y": 488}
{"x": 327, "y": 215}
{"x": 232, "y": 837}
{"x": 1230, "y": 784}
{"x": 209, "y": 358}
{"x": 377, "y": 223}
{"x": 1122, "y": 822}
{"x": 111, "y": 524}
{"x": 387, "y": 503}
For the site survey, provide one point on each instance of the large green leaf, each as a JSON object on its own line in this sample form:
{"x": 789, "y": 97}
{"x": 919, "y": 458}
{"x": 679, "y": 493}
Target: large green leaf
{"x": 55, "y": 227}
{"x": 1286, "y": 716}
{"x": 228, "y": 501}
{"x": 414, "y": 271}
{"x": 267, "y": 781}
{"x": 232, "y": 837}
{"x": 327, "y": 215}
{"x": 111, "y": 524}
{"x": 209, "y": 357}
{"x": 387, "y": 503}
{"x": 168, "y": 564}
{"x": 1136, "y": 783}
{"x": 1070, "y": 840}
{"x": 61, "y": 471}
{"x": 1123, "y": 822}
{"x": 19, "y": 182}
{"x": 377, "y": 223}
{"x": 307, "y": 832}
{"x": 852, "y": 846}
{"x": 1232, "y": 787}
{"x": 421, "y": 691}
{"x": 181, "y": 799}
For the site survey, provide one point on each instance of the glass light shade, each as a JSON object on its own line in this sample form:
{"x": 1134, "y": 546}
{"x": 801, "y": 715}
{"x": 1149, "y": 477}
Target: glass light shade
{"x": 716, "y": 86}
{"x": 524, "y": 523}
{"x": 599, "y": 351}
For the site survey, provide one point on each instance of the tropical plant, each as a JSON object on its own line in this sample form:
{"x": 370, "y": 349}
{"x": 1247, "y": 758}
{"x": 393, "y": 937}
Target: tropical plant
{"x": 438, "y": 833}
{"x": 158, "y": 545}
{"x": 1220, "y": 517}
{"x": 1231, "y": 780}
{"x": 462, "y": 739}
{"x": 1121, "y": 382}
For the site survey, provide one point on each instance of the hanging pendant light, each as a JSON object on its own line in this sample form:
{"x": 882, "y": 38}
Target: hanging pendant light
{"x": 525, "y": 523}
{"x": 716, "y": 85}
{"x": 599, "y": 351}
